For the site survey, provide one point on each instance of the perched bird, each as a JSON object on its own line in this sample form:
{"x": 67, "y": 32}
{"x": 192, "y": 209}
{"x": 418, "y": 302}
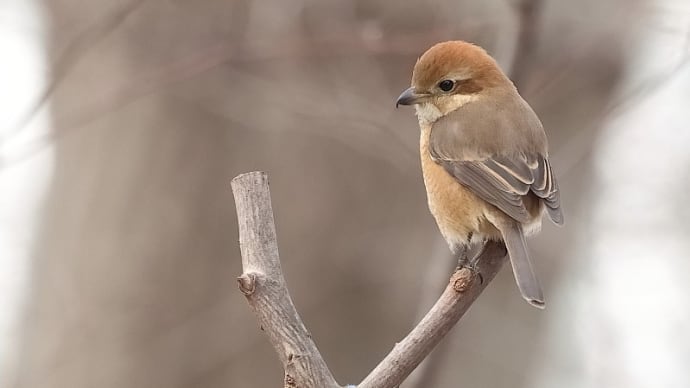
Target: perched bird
{"x": 484, "y": 156}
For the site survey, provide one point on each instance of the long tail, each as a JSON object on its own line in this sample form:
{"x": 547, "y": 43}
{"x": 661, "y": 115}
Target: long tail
{"x": 526, "y": 281}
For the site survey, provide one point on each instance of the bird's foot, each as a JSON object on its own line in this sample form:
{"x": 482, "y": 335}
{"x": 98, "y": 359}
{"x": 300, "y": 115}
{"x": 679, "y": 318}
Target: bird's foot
{"x": 463, "y": 259}
{"x": 478, "y": 254}
{"x": 473, "y": 263}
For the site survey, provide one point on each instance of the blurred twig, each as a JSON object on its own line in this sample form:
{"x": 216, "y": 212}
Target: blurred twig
{"x": 264, "y": 286}
{"x": 575, "y": 150}
{"x": 527, "y": 13}
{"x": 142, "y": 86}
{"x": 198, "y": 63}
{"x": 75, "y": 50}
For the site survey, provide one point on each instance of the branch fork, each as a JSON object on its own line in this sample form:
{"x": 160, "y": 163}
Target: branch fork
{"x": 263, "y": 284}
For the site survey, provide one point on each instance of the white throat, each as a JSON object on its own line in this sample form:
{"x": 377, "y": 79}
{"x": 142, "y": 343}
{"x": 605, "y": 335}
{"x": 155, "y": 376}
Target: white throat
{"x": 427, "y": 113}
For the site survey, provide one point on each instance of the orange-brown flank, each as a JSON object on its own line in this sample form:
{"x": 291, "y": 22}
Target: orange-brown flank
{"x": 458, "y": 212}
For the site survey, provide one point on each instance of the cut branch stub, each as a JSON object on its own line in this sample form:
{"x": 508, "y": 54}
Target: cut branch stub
{"x": 247, "y": 283}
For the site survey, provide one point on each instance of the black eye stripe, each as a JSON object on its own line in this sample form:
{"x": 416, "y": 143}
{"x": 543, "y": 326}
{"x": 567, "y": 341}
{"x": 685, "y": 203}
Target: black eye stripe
{"x": 446, "y": 85}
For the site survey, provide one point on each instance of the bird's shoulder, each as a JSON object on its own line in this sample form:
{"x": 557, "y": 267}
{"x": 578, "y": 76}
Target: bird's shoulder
{"x": 492, "y": 125}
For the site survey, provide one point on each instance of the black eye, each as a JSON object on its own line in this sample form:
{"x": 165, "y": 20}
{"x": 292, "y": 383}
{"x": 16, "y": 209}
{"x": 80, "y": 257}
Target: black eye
{"x": 446, "y": 85}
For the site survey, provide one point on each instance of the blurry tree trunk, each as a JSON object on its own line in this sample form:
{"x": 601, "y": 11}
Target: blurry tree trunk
{"x": 132, "y": 256}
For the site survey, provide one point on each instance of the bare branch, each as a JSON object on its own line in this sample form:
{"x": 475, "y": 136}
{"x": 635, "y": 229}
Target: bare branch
{"x": 464, "y": 287}
{"x": 264, "y": 286}
{"x": 440, "y": 264}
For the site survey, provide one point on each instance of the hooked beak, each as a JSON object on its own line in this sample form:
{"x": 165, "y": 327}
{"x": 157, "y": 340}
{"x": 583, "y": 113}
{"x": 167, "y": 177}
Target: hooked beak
{"x": 410, "y": 97}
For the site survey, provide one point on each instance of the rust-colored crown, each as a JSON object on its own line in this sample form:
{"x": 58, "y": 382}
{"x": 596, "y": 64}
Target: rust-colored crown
{"x": 456, "y": 57}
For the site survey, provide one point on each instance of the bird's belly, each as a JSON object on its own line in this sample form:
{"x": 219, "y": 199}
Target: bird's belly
{"x": 458, "y": 212}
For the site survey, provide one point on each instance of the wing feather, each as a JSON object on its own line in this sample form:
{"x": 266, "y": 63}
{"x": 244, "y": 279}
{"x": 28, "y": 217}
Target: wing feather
{"x": 504, "y": 181}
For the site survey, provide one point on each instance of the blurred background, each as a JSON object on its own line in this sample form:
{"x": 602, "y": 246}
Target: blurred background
{"x": 123, "y": 122}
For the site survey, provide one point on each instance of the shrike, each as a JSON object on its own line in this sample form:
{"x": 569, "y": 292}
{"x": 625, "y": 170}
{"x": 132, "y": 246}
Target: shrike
{"x": 484, "y": 156}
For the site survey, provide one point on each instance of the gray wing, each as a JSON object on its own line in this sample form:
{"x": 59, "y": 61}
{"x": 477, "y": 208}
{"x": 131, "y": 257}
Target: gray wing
{"x": 475, "y": 155}
{"x": 504, "y": 181}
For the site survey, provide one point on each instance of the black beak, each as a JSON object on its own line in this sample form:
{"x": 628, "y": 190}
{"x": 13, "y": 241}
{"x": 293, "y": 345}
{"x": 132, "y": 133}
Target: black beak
{"x": 409, "y": 97}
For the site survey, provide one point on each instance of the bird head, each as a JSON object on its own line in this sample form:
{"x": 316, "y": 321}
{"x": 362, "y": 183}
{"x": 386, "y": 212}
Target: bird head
{"x": 449, "y": 75}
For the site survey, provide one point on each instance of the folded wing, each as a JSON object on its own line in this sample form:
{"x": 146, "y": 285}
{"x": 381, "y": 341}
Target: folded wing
{"x": 504, "y": 181}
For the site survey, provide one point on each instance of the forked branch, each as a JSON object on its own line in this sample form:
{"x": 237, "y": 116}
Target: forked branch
{"x": 263, "y": 284}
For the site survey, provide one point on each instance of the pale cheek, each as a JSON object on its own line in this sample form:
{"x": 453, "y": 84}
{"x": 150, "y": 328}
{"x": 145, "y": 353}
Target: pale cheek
{"x": 428, "y": 112}
{"x": 456, "y": 101}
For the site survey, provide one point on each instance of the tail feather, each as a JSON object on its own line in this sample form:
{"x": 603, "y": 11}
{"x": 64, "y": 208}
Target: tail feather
{"x": 526, "y": 280}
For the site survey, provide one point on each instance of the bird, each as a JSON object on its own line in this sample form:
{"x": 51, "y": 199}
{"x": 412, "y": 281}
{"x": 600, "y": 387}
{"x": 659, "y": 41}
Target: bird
{"x": 484, "y": 157}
